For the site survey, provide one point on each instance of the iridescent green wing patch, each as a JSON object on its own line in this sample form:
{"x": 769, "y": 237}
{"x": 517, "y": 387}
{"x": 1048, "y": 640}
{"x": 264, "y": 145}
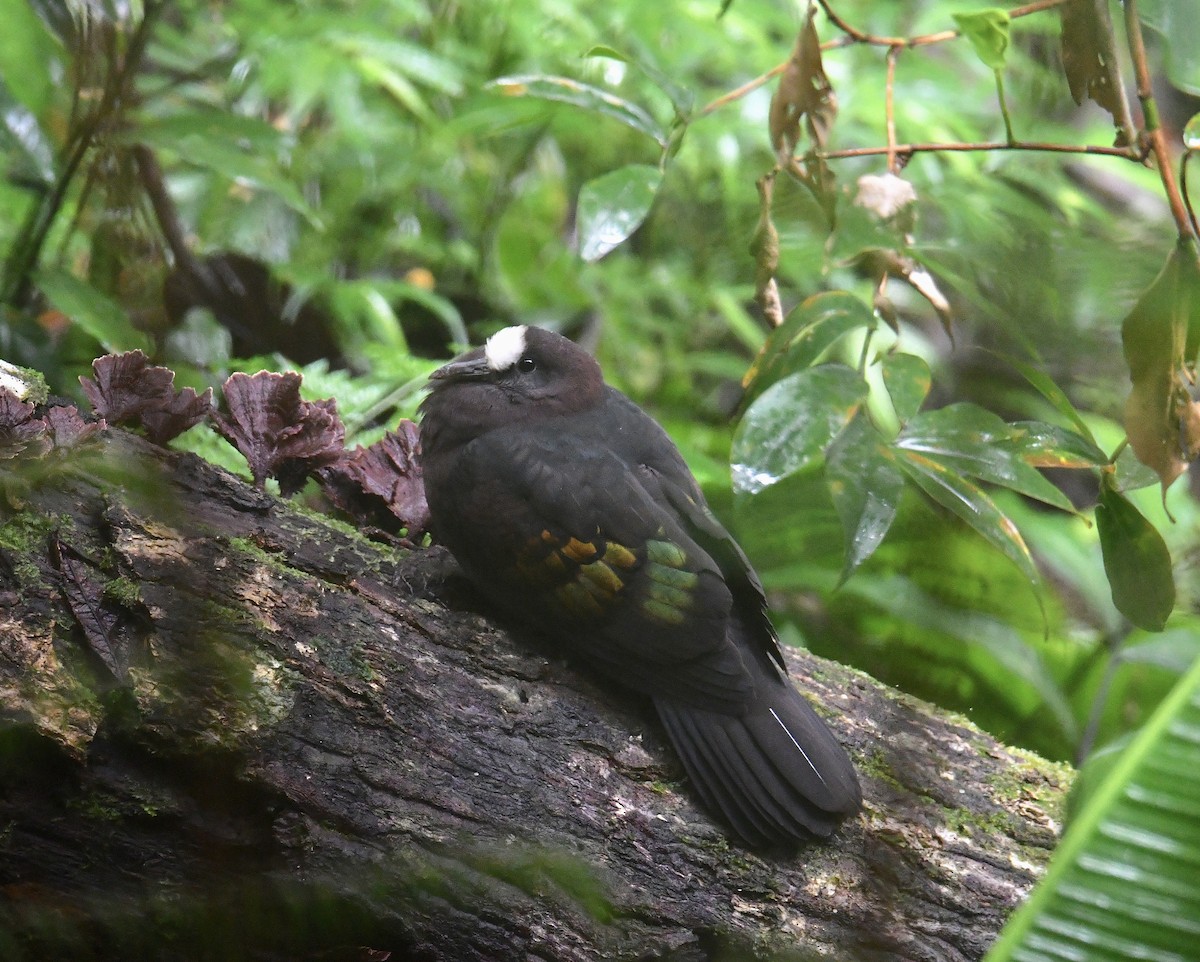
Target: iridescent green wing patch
{"x": 584, "y": 576}
{"x": 670, "y": 587}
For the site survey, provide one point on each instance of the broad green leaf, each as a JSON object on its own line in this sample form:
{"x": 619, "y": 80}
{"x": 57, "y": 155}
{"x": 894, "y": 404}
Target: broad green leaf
{"x": 1179, "y": 27}
{"x": 866, "y": 486}
{"x": 789, "y": 427}
{"x": 967, "y": 500}
{"x": 971, "y": 441}
{"x": 613, "y": 205}
{"x": 91, "y": 310}
{"x": 27, "y": 54}
{"x": 1136, "y": 561}
{"x": 809, "y": 330}
{"x": 988, "y": 31}
{"x": 1123, "y": 884}
{"x": 593, "y": 99}
{"x": 907, "y": 380}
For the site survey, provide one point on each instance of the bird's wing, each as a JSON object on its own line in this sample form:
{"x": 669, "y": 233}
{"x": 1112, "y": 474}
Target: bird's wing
{"x": 587, "y": 549}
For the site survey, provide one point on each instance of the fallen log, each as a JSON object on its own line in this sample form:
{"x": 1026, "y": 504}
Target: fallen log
{"x": 233, "y": 728}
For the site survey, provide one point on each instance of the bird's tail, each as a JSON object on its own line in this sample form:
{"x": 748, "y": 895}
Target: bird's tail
{"x": 775, "y": 772}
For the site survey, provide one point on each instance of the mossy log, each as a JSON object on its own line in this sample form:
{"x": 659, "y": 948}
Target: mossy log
{"x": 234, "y": 729}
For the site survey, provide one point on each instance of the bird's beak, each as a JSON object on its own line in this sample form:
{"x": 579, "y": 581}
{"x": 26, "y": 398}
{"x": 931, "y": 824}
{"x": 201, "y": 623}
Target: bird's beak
{"x": 465, "y": 368}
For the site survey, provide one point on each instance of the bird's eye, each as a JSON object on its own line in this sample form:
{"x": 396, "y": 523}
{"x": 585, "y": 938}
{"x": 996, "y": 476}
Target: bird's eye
{"x": 526, "y": 365}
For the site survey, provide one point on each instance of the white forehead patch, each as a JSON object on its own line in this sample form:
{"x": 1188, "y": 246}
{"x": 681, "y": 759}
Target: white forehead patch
{"x": 504, "y": 348}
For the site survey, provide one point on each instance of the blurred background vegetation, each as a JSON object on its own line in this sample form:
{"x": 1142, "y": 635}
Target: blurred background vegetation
{"x": 358, "y": 189}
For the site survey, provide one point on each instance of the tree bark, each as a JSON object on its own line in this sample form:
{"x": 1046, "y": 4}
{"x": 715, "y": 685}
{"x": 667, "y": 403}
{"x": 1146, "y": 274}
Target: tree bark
{"x": 231, "y": 728}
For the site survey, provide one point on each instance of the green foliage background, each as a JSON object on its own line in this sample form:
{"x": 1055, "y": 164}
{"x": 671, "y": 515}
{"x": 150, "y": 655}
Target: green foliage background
{"x": 425, "y": 171}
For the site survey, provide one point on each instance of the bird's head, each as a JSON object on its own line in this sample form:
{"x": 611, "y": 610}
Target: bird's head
{"x": 521, "y": 374}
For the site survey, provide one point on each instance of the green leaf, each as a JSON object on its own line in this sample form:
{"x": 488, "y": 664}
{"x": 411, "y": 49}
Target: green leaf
{"x": 593, "y": 99}
{"x": 613, "y": 205}
{"x": 27, "y": 54}
{"x": 1125, "y": 875}
{"x": 866, "y": 486}
{"x": 1049, "y": 446}
{"x": 809, "y": 330}
{"x": 1052, "y": 393}
{"x": 91, "y": 310}
{"x": 907, "y": 380}
{"x": 971, "y": 441}
{"x": 239, "y": 148}
{"x": 1136, "y": 561}
{"x": 988, "y": 31}
{"x": 789, "y": 427}
{"x": 1179, "y": 27}
{"x": 30, "y": 154}
{"x": 954, "y": 492}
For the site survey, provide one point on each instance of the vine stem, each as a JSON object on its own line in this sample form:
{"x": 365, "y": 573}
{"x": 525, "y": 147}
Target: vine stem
{"x": 1156, "y": 138}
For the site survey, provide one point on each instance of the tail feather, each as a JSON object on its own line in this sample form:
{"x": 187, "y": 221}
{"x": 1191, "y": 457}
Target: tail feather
{"x": 775, "y": 771}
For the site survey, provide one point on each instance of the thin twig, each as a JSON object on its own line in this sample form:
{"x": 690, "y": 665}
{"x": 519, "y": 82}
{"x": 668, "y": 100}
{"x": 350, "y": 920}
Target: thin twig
{"x": 854, "y": 35}
{"x": 1153, "y": 128}
{"x": 1129, "y": 153}
{"x": 889, "y": 107}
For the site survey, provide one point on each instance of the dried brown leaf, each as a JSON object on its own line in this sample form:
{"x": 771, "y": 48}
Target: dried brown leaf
{"x": 1154, "y": 335}
{"x": 1088, "y": 59}
{"x": 804, "y": 94}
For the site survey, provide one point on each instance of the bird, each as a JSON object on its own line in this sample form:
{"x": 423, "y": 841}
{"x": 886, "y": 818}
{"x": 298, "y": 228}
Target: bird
{"x": 572, "y": 510}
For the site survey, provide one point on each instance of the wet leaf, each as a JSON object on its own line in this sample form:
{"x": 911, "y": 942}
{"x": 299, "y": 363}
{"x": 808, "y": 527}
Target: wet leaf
{"x": 593, "y": 99}
{"x": 988, "y": 31}
{"x": 809, "y": 330}
{"x": 1045, "y": 445}
{"x": 976, "y": 443}
{"x": 613, "y": 205}
{"x": 804, "y": 94}
{"x": 907, "y": 380}
{"x": 1136, "y": 561}
{"x": 865, "y": 486}
{"x": 789, "y": 427}
{"x": 971, "y": 503}
{"x": 91, "y": 310}
{"x": 1154, "y": 336}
